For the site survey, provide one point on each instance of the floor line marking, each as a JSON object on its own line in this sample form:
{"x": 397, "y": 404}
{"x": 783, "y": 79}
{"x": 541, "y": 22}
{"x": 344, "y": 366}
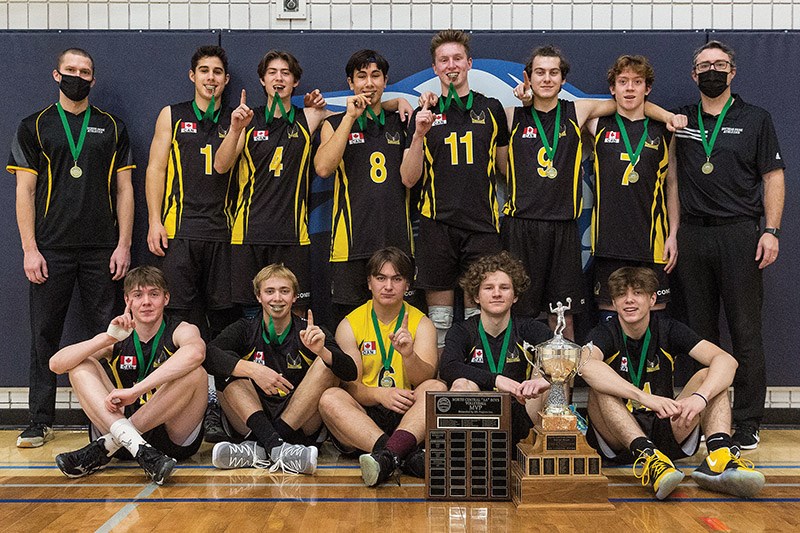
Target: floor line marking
{"x": 127, "y": 509}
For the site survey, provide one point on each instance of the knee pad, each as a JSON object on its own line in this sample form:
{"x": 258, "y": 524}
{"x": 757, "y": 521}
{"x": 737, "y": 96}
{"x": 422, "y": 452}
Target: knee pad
{"x": 469, "y": 312}
{"x": 442, "y": 318}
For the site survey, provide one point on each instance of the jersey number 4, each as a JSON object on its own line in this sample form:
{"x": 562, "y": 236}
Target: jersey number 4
{"x": 452, "y": 141}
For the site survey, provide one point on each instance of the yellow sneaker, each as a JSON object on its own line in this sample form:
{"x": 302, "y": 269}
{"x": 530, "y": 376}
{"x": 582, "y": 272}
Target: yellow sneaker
{"x": 658, "y": 471}
{"x": 722, "y": 471}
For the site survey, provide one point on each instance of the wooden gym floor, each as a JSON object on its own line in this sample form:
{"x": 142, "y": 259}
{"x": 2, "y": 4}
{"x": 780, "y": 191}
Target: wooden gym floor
{"x": 35, "y": 496}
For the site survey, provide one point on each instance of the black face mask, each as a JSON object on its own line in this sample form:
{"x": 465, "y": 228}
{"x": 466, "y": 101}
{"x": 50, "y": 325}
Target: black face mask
{"x": 712, "y": 83}
{"x": 74, "y": 87}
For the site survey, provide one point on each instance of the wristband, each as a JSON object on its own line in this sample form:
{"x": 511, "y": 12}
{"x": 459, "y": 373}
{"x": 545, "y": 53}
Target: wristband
{"x": 703, "y": 397}
{"x": 118, "y": 332}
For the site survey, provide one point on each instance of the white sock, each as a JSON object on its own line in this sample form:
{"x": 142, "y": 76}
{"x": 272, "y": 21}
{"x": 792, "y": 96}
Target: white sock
{"x": 111, "y": 444}
{"x": 127, "y": 435}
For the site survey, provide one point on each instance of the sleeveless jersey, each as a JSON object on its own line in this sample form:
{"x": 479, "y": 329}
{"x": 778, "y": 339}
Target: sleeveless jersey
{"x": 629, "y": 220}
{"x": 124, "y": 367}
{"x": 459, "y": 185}
{"x": 272, "y": 207}
{"x": 370, "y": 202}
{"x": 197, "y": 201}
{"x": 364, "y": 331}
{"x": 531, "y": 194}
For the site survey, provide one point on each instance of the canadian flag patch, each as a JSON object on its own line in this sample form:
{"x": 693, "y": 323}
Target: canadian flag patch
{"x": 477, "y": 356}
{"x": 356, "y": 138}
{"x": 259, "y": 358}
{"x": 368, "y": 348}
{"x": 127, "y": 362}
{"x": 439, "y": 119}
{"x": 188, "y": 127}
{"x": 612, "y": 137}
{"x": 529, "y": 133}
{"x": 260, "y": 135}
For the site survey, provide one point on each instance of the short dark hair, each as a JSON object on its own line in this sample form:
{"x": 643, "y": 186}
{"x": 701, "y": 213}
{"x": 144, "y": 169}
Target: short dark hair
{"x": 210, "y": 51}
{"x": 269, "y": 57}
{"x": 145, "y": 276}
{"x": 639, "y": 64}
{"x": 395, "y": 257}
{"x": 637, "y": 278}
{"x": 548, "y": 50}
{"x": 502, "y": 262}
{"x": 719, "y": 46}
{"x": 363, "y": 59}
{"x": 77, "y": 52}
{"x": 450, "y": 36}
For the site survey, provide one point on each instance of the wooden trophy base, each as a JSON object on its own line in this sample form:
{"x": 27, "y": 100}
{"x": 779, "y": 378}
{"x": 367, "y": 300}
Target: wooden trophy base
{"x": 558, "y": 470}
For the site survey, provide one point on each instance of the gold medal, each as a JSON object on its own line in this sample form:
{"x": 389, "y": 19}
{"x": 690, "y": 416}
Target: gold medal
{"x": 76, "y": 171}
{"x": 552, "y": 172}
{"x": 387, "y": 381}
{"x": 708, "y": 167}
{"x": 633, "y": 177}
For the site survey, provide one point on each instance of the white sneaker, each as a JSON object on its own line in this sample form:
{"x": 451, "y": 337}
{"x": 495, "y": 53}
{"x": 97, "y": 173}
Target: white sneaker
{"x": 227, "y": 455}
{"x": 294, "y": 459}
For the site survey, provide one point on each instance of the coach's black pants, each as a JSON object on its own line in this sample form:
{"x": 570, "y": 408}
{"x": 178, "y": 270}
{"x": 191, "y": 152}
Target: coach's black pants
{"x": 717, "y": 262}
{"x": 49, "y": 303}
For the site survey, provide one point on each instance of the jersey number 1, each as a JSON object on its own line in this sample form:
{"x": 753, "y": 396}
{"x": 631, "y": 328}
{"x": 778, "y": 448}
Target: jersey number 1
{"x": 206, "y": 151}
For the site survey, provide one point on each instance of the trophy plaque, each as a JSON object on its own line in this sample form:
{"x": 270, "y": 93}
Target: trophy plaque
{"x": 557, "y": 468}
{"x": 468, "y": 438}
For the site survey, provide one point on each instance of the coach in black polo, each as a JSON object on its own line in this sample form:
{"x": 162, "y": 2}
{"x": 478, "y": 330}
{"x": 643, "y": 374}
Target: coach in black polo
{"x": 730, "y": 174}
{"x": 74, "y": 206}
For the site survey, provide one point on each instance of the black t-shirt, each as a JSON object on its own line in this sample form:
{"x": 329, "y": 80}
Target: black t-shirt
{"x": 73, "y": 212}
{"x": 746, "y": 148}
{"x": 464, "y": 355}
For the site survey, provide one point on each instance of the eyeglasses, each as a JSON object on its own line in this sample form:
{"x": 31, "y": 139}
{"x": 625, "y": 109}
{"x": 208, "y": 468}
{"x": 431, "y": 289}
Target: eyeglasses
{"x": 721, "y": 65}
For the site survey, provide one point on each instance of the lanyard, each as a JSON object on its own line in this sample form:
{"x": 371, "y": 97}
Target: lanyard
{"x": 452, "y": 96}
{"x": 274, "y": 338}
{"x": 708, "y": 145}
{"x": 633, "y": 156}
{"x": 637, "y": 377}
{"x": 75, "y": 150}
{"x": 387, "y": 359}
{"x": 551, "y": 152}
{"x": 209, "y": 114}
{"x": 501, "y": 363}
{"x": 269, "y": 112}
{"x": 137, "y": 345}
{"x": 368, "y": 112}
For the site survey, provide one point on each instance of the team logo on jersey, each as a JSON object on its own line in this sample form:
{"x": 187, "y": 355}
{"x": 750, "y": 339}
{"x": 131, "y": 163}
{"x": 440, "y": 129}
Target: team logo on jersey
{"x": 260, "y": 135}
{"x": 294, "y": 362}
{"x": 259, "y": 358}
{"x": 127, "y": 362}
{"x": 368, "y": 348}
{"x": 439, "y": 119}
{"x": 653, "y": 143}
{"x": 623, "y": 364}
{"x": 92, "y": 129}
{"x": 477, "y": 356}
{"x": 732, "y": 131}
{"x": 512, "y": 357}
{"x": 612, "y": 137}
{"x": 529, "y": 133}
{"x": 356, "y": 138}
{"x": 188, "y": 127}
{"x": 563, "y": 131}
{"x": 222, "y": 132}
{"x": 393, "y": 138}
{"x": 477, "y": 118}
{"x": 292, "y": 132}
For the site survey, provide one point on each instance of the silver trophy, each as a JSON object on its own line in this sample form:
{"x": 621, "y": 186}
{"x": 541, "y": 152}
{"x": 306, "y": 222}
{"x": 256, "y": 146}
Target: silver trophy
{"x": 558, "y": 360}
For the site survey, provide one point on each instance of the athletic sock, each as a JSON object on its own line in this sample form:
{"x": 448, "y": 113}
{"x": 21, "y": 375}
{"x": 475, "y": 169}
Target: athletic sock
{"x": 286, "y": 432}
{"x": 718, "y": 440}
{"x": 111, "y": 444}
{"x": 380, "y": 443}
{"x": 401, "y": 443}
{"x": 127, "y": 435}
{"x": 263, "y": 430}
{"x": 642, "y": 445}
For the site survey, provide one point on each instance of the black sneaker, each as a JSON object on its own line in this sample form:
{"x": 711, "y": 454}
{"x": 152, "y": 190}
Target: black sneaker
{"x": 35, "y": 435}
{"x": 377, "y": 467}
{"x": 414, "y": 464}
{"x": 87, "y": 460}
{"x": 155, "y": 464}
{"x": 746, "y": 438}
{"x": 212, "y": 424}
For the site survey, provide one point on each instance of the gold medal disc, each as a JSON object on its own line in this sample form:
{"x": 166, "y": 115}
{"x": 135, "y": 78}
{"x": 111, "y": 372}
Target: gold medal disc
{"x": 633, "y": 177}
{"x": 387, "y": 382}
{"x": 552, "y": 172}
{"x": 76, "y": 171}
{"x": 708, "y": 167}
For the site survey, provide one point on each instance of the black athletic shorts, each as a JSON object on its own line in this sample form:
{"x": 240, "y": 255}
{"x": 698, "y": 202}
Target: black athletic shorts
{"x": 248, "y": 259}
{"x": 445, "y": 252}
{"x": 604, "y": 267}
{"x": 159, "y": 439}
{"x": 273, "y": 405}
{"x": 550, "y": 250}
{"x": 197, "y": 274}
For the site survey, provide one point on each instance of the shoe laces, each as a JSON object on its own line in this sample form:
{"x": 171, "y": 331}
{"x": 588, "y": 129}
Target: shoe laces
{"x": 290, "y": 459}
{"x": 652, "y": 465}
{"x": 743, "y": 463}
{"x": 243, "y": 455}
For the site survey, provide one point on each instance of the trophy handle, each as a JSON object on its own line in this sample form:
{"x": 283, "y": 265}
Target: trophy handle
{"x": 531, "y": 349}
{"x": 589, "y": 347}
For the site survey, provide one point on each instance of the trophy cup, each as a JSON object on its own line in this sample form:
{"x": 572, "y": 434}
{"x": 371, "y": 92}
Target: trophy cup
{"x": 557, "y": 468}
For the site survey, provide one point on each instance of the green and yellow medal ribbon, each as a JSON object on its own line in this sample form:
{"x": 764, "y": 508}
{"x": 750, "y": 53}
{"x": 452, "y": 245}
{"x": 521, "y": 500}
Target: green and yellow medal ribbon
{"x": 636, "y": 377}
{"x": 550, "y": 151}
{"x": 386, "y": 358}
{"x": 452, "y": 97}
{"x": 137, "y": 345}
{"x": 495, "y": 368}
{"x": 209, "y": 114}
{"x": 74, "y": 149}
{"x": 274, "y": 338}
{"x": 369, "y": 113}
{"x": 633, "y": 156}
{"x": 277, "y": 103}
{"x": 708, "y": 145}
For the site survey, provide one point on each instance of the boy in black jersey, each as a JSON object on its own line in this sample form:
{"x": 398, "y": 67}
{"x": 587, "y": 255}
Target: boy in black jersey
{"x": 486, "y": 351}
{"x": 140, "y": 383}
{"x": 188, "y": 203}
{"x": 364, "y": 147}
{"x": 457, "y": 148}
{"x": 632, "y": 415}
{"x": 74, "y": 208}
{"x": 635, "y": 217}
{"x": 271, "y": 371}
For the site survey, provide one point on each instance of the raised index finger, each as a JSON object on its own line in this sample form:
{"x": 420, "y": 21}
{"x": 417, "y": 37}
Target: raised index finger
{"x": 526, "y": 81}
{"x": 243, "y": 100}
{"x": 405, "y": 321}
{"x": 310, "y": 319}
{"x": 127, "y": 310}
